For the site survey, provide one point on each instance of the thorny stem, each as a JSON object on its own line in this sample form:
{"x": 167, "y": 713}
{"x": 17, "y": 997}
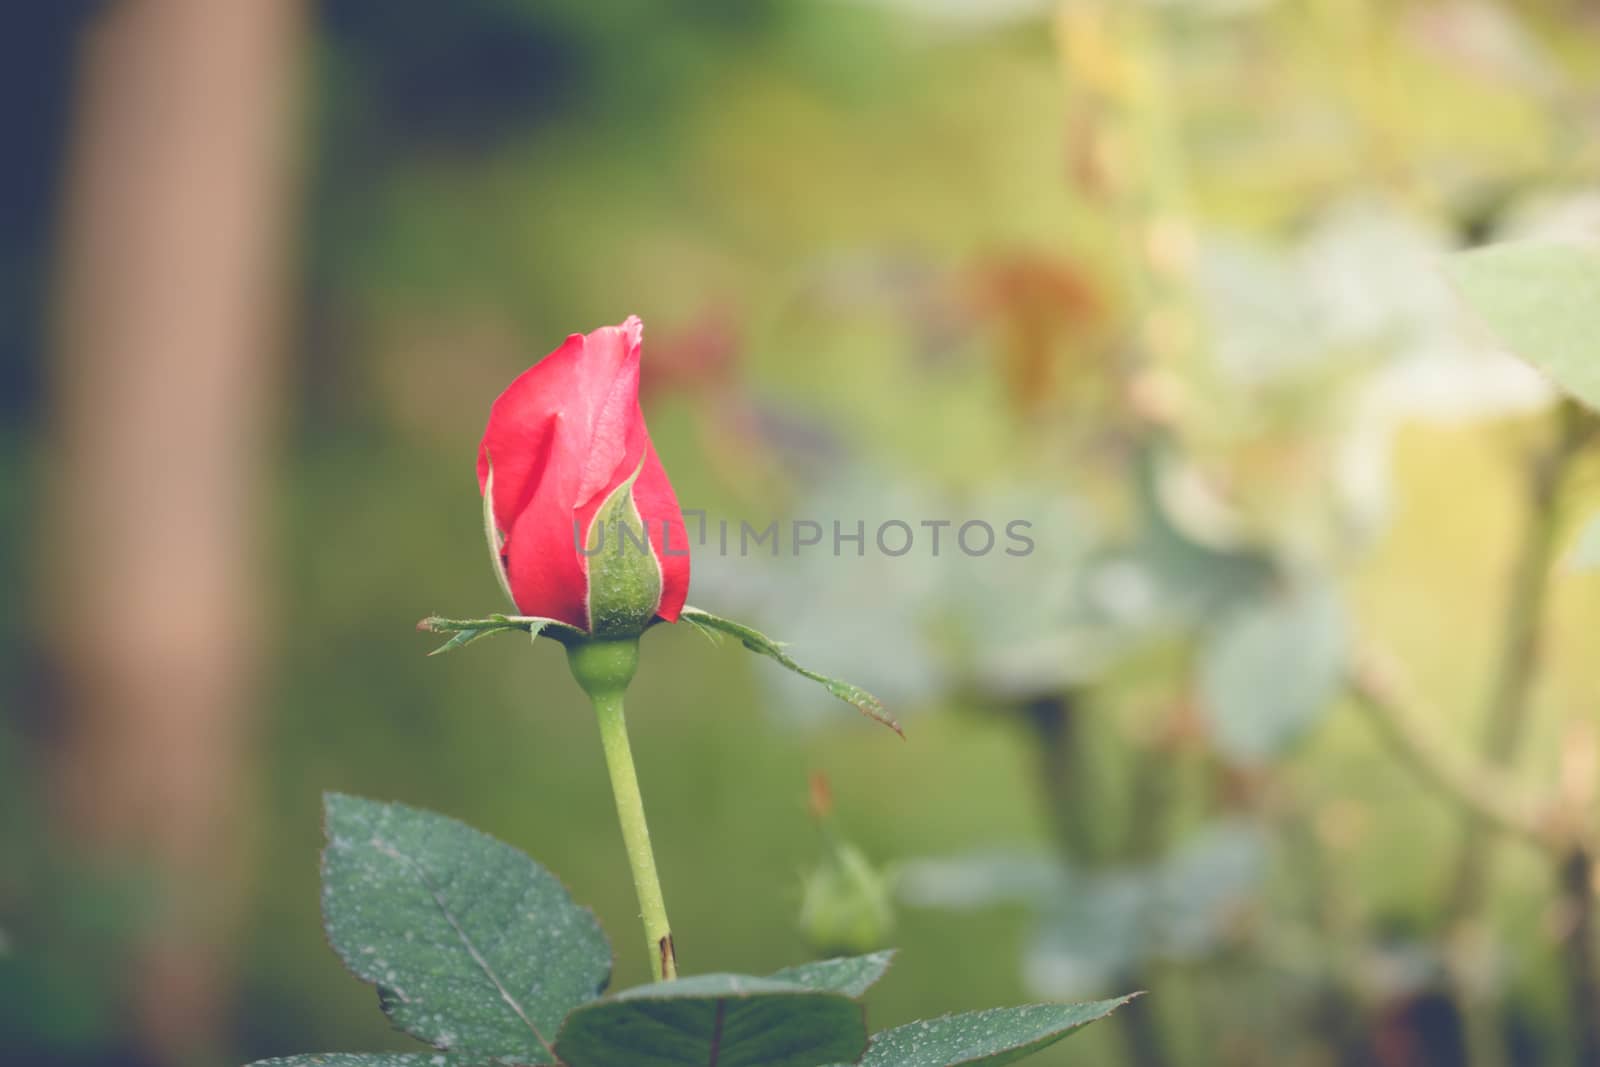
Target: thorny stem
{"x": 1150, "y": 799}
{"x": 1057, "y": 725}
{"x": 1328, "y": 901}
{"x": 1507, "y": 713}
{"x": 1507, "y": 716}
{"x": 1132, "y": 154}
{"x": 604, "y": 669}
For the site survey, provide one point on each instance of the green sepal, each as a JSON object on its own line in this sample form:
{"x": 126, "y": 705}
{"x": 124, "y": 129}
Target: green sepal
{"x": 756, "y": 641}
{"x": 624, "y": 574}
{"x": 466, "y": 631}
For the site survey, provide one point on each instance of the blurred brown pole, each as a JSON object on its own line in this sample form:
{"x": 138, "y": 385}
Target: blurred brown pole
{"x": 171, "y": 287}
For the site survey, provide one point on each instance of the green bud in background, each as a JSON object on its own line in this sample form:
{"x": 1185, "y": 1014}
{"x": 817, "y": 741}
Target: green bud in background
{"x": 847, "y": 907}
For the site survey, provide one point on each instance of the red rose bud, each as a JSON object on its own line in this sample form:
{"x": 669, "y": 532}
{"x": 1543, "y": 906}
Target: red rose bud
{"x": 583, "y": 524}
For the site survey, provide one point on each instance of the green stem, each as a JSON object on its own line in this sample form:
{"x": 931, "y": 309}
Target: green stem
{"x": 1509, "y": 705}
{"x": 1506, "y": 723}
{"x": 604, "y": 669}
{"x": 636, "y": 835}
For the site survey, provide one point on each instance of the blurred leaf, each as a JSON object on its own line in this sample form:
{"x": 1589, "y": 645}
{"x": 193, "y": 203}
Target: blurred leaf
{"x": 1264, "y": 309}
{"x": 1098, "y": 929}
{"x": 974, "y": 13}
{"x": 1204, "y": 884}
{"x": 1024, "y": 624}
{"x": 1106, "y": 923}
{"x": 982, "y": 880}
{"x": 850, "y": 975}
{"x": 993, "y": 1037}
{"x": 1359, "y": 293}
{"x": 1370, "y": 274}
{"x": 1361, "y": 283}
{"x": 1169, "y": 577}
{"x": 472, "y": 945}
{"x": 726, "y": 1019}
{"x": 1196, "y": 578}
{"x": 1272, "y": 670}
{"x": 1543, "y": 301}
{"x": 1096, "y": 926}
{"x": 1586, "y": 551}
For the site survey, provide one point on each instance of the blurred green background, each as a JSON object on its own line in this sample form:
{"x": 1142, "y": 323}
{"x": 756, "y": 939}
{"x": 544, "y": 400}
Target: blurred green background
{"x": 1160, "y": 277}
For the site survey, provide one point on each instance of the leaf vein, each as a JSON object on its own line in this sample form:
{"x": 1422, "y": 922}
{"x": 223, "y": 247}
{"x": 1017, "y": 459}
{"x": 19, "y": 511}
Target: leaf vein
{"x": 466, "y": 941}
